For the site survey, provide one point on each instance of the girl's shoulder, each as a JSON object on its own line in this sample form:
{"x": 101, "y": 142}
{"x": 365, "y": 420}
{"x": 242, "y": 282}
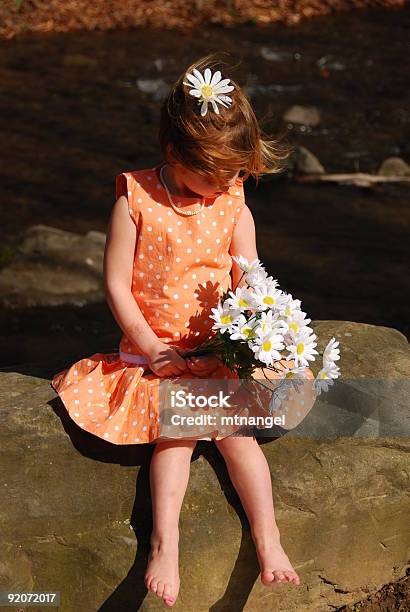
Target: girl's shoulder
{"x": 136, "y": 186}
{"x": 235, "y": 198}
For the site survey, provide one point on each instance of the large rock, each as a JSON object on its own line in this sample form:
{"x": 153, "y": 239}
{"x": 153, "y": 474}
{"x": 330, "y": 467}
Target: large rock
{"x": 76, "y": 509}
{"x": 54, "y": 267}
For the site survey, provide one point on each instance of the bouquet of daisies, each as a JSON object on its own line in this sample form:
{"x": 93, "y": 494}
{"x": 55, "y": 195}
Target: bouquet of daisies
{"x": 258, "y": 324}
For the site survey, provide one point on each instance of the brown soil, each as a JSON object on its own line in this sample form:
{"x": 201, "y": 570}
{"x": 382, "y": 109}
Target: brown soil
{"x": 394, "y": 597}
{"x": 20, "y": 16}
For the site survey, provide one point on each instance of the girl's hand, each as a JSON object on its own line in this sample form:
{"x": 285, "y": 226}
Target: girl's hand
{"x": 203, "y": 365}
{"x": 164, "y": 360}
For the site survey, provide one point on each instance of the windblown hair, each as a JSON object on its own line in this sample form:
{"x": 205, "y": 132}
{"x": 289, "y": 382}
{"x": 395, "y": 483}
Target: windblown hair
{"x": 217, "y": 145}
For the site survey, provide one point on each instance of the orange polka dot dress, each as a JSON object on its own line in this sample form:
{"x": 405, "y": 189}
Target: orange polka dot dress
{"x": 181, "y": 268}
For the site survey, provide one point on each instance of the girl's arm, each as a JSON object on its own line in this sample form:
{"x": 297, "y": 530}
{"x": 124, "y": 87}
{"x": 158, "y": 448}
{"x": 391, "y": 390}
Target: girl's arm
{"x": 243, "y": 243}
{"x": 118, "y": 268}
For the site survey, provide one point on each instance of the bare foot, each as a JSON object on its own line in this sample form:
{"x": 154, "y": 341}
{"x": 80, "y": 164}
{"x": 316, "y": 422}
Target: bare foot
{"x": 162, "y": 573}
{"x": 274, "y": 563}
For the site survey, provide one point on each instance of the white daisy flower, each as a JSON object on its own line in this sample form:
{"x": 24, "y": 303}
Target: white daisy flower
{"x": 224, "y": 317}
{"x": 290, "y": 306}
{"x": 270, "y": 322}
{"x": 244, "y": 264}
{"x": 331, "y": 352}
{"x": 209, "y": 88}
{"x": 297, "y": 323}
{"x": 267, "y": 296}
{"x": 267, "y": 347}
{"x": 302, "y": 350}
{"x": 325, "y": 377}
{"x": 242, "y": 299}
{"x": 243, "y": 329}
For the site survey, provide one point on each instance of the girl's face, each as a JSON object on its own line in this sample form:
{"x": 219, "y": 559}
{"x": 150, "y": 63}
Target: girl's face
{"x": 205, "y": 186}
{"x": 191, "y": 184}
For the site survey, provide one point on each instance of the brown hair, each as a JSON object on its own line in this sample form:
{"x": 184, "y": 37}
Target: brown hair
{"x": 217, "y": 144}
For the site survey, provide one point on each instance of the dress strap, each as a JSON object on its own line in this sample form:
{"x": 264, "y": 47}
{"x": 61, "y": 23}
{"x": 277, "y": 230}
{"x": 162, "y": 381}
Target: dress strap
{"x": 126, "y": 185}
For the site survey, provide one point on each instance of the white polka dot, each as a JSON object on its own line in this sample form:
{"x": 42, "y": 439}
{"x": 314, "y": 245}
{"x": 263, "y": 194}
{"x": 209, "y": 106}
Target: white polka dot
{"x": 199, "y": 240}
{"x": 149, "y": 228}
{"x": 176, "y": 296}
{"x": 159, "y": 218}
{"x": 150, "y": 209}
{"x": 177, "y": 259}
{"x": 169, "y": 229}
{"x": 159, "y": 238}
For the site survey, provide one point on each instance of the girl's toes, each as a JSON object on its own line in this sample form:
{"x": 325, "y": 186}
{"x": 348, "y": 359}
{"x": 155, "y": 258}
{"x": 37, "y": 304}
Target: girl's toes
{"x": 160, "y": 588}
{"x": 279, "y": 576}
{"x": 289, "y": 575}
{"x": 167, "y": 594}
{"x": 153, "y": 585}
{"x": 267, "y": 577}
{"x": 148, "y": 580}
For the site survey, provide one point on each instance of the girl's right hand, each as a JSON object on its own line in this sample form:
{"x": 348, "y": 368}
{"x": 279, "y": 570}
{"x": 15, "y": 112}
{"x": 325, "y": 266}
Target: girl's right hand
{"x": 164, "y": 360}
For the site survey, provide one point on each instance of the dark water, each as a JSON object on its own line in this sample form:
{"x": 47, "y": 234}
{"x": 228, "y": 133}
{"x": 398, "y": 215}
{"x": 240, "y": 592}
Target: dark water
{"x": 72, "y": 117}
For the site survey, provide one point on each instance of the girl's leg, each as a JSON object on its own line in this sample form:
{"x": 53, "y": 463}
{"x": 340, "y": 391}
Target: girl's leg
{"x": 169, "y": 475}
{"x": 250, "y": 475}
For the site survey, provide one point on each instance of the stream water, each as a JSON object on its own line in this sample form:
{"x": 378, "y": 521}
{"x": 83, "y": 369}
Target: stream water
{"x": 76, "y": 109}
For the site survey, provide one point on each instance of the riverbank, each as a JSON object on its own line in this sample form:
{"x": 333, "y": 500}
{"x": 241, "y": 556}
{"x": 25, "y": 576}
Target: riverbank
{"x": 18, "y": 17}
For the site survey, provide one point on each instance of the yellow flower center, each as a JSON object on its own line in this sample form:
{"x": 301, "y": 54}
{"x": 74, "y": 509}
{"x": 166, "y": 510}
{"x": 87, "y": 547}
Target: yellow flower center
{"x": 289, "y": 375}
{"x": 206, "y": 91}
{"x": 247, "y": 331}
{"x": 323, "y": 375}
{"x": 300, "y": 348}
{"x": 267, "y": 345}
{"x": 268, "y": 299}
{"x": 226, "y": 319}
{"x": 242, "y": 302}
{"x": 294, "y": 326}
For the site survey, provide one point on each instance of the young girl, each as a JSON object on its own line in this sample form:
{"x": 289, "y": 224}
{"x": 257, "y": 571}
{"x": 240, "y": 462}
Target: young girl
{"x": 168, "y": 259}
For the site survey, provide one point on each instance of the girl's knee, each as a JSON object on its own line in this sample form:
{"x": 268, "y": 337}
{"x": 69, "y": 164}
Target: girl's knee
{"x": 180, "y": 443}
{"x": 233, "y": 446}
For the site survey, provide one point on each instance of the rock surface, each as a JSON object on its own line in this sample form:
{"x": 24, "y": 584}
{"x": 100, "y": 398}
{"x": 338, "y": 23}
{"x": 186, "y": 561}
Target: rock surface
{"x": 54, "y": 267}
{"x": 77, "y": 517}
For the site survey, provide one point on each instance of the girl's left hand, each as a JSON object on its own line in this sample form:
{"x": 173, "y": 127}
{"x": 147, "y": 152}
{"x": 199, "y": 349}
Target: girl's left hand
{"x": 203, "y": 365}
